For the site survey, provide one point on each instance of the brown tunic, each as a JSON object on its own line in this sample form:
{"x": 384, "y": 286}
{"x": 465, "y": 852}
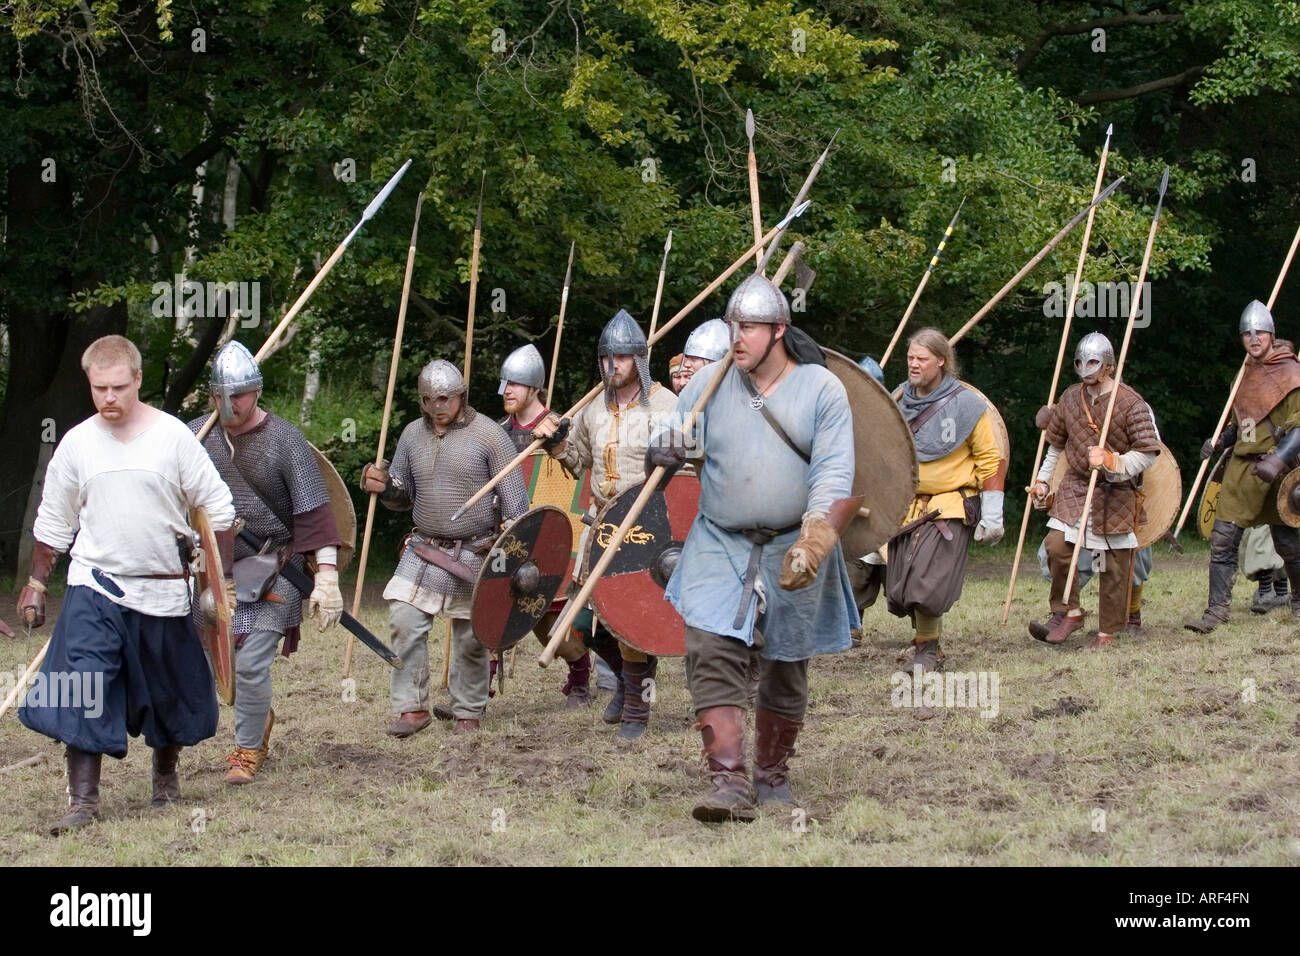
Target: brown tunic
{"x": 1075, "y": 426}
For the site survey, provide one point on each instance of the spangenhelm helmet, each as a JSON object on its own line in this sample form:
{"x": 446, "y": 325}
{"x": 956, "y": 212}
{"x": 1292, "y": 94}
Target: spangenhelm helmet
{"x": 1255, "y": 319}
{"x": 1093, "y": 353}
{"x": 710, "y": 341}
{"x": 234, "y": 372}
{"x": 523, "y": 366}
{"x": 439, "y": 379}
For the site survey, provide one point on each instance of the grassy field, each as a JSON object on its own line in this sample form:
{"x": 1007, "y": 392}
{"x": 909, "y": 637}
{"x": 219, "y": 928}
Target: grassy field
{"x": 1168, "y": 749}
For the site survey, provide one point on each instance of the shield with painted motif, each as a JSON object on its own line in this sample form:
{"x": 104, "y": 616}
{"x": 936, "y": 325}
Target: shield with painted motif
{"x": 629, "y": 597}
{"x": 549, "y": 484}
{"x": 521, "y": 576}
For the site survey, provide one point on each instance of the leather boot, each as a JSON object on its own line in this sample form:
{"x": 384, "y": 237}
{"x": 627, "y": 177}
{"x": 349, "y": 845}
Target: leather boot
{"x": 83, "y": 791}
{"x": 1040, "y": 629}
{"x": 1068, "y": 624}
{"x": 610, "y": 654}
{"x": 166, "y": 781}
{"x": 928, "y": 656}
{"x": 636, "y": 697}
{"x": 1220, "y": 600}
{"x": 773, "y": 747}
{"x": 723, "y": 732}
{"x": 577, "y": 689}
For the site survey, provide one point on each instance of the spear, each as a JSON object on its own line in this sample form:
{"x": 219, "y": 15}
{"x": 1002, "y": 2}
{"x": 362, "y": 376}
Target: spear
{"x": 659, "y": 291}
{"x": 771, "y": 236}
{"x": 559, "y": 326}
{"x": 1056, "y": 375}
{"x": 473, "y": 275}
{"x": 1028, "y": 266}
{"x": 1232, "y": 392}
{"x": 383, "y": 425}
{"x": 366, "y": 216}
{"x": 1114, "y": 391}
{"x": 907, "y": 314}
{"x": 798, "y": 199}
{"x": 753, "y": 182}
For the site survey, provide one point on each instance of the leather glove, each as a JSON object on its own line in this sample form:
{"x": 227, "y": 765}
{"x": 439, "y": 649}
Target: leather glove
{"x": 1269, "y": 468}
{"x": 800, "y": 564}
{"x": 1099, "y": 457}
{"x": 553, "y": 430}
{"x": 31, "y": 602}
{"x": 1225, "y": 440}
{"x": 990, "y": 528}
{"x": 667, "y": 449}
{"x": 1039, "y": 493}
{"x": 1043, "y": 417}
{"x": 374, "y": 479}
{"x": 326, "y": 601}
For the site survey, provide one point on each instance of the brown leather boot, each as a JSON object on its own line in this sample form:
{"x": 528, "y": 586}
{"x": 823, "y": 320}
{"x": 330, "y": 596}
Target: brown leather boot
{"x": 1064, "y": 628}
{"x": 83, "y": 791}
{"x": 577, "y": 689}
{"x": 166, "y": 781}
{"x": 723, "y": 732}
{"x": 636, "y": 698}
{"x": 410, "y": 722}
{"x": 773, "y": 748}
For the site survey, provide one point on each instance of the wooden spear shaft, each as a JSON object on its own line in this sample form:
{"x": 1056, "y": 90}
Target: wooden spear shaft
{"x": 667, "y": 326}
{"x": 1232, "y": 392}
{"x": 473, "y": 275}
{"x": 1028, "y": 266}
{"x": 753, "y": 185}
{"x": 1082, "y": 530}
{"x": 659, "y": 293}
{"x": 1056, "y": 373}
{"x": 934, "y": 260}
{"x": 383, "y": 426}
{"x": 561, "y": 626}
{"x": 559, "y": 326}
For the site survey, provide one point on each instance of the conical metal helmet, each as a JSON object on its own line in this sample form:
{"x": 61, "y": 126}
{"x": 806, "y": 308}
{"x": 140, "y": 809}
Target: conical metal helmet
{"x": 523, "y": 366}
{"x": 234, "y": 372}
{"x": 622, "y": 336}
{"x": 1091, "y": 355}
{"x": 1255, "y": 319}
{"x": 757, "y": 299}
{"x": 710, "y": 341}
{"x": 872, "y": 368}
{"x": 439, "y": 379}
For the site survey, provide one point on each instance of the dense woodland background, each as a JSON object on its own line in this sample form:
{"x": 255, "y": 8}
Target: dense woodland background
{"x": 143, "y": 140}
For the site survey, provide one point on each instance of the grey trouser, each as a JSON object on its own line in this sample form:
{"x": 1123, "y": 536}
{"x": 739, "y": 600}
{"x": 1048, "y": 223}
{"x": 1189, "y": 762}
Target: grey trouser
{"x": 717, "y": 670}
{"x": 408, "y": 628}
{"x": 253, "y": 686}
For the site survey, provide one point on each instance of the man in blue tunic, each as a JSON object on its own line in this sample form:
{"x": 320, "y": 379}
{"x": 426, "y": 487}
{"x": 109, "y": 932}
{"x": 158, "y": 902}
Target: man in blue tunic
{"x": 761, "y": 573}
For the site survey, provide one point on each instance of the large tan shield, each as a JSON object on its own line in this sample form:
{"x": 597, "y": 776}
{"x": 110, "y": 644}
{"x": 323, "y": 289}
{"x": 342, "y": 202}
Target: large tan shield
{"x": 1162, "y": 493}
{"x": 216, "y": 626}
{"x": 345, "y": 515}
{"x": 885, "y": 468}
{"x": 1000, "y": 434}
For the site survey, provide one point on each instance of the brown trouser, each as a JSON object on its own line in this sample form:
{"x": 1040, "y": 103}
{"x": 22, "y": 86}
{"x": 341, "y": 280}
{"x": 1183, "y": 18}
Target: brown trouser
{"x": 1115, "y": 581}
{"x": 717, "y": 670}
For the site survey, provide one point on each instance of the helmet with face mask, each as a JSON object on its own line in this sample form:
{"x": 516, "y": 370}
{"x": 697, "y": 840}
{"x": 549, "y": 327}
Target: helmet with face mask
{"x": 1255, "y": 319}
{"x": 622, "y": 336}
{"x": 234, "y": 372}
{"x": 1093, "y": 353}
{"x": 439, "y": 379}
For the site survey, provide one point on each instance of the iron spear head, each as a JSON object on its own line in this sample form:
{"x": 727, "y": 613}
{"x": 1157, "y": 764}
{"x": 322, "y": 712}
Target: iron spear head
{"x": 383, "y": 193}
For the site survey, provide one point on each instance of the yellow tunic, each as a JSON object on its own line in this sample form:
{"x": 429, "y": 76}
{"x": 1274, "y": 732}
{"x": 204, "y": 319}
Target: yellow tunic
{"x": 965, "y": 468}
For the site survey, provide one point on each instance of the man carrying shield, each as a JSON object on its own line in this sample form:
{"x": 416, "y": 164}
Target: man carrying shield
{"x": 523, "y": 378}
{"x": 440, "y": 461}
{"x": 1265, "y": 440}
{"x": 761, "y": 573}
{"x": 959, "y": 493}
{"x": 279, "y": 492}
{"x": 609, "y": 438}
{"x": 1073, "y": 427}
{"x": 122, "y": 484}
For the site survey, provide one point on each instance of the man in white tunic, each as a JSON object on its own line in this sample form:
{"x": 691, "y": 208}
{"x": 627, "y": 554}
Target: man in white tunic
{"x": 124, "y": 657}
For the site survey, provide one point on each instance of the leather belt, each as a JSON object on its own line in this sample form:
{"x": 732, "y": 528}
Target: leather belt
{"x": 758, "y": 537}
{"x": 429, "y": 549}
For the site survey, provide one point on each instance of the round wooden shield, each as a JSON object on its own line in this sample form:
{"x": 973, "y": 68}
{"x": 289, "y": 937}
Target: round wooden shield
{"x": 549, "y": 484}
{"x": 1000, "y": 433}
{"x": 1210, "y": 496}
{"x": 1162, "y": 493}
{"x": 1285, "y": 509}
{"x": 215, "y": 624}
{"x": 629, "y": 597}
{"x": 345, "y": 515}
{"x": 521, "y": 576}
{"x": 885, "y": 468}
